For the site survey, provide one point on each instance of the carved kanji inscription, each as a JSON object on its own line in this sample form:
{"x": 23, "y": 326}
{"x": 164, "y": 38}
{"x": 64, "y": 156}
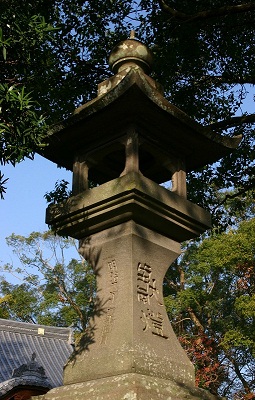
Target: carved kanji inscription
{"x": 148, "y": 294}
{"x": 146, "y": 285}
{"x": 113, "y": 278}
{"x": 153, "y": 321}
{"x": 108, "y": 322}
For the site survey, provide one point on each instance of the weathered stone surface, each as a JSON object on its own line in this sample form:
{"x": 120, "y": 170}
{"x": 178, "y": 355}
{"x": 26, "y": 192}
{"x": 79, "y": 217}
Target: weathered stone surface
{"x": 127, "y": 387}
{"x": 130, "y": 331}
{"x": 130, "y": 197}
{"x": 130, "y": 52}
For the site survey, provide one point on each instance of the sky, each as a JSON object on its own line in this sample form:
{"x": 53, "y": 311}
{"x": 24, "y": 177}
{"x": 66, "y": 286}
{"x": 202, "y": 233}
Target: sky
{"x": 23, "y": 209}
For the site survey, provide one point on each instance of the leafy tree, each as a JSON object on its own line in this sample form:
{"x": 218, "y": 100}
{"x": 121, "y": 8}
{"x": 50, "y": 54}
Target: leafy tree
{"x": 51, "y": 53}
{"x": 51, "y": 288}
{"x": 210, "y": 298}
{"x": 203, "y": 56}
{"x": 23, "y": 37}
{"x": 204, "y": 60}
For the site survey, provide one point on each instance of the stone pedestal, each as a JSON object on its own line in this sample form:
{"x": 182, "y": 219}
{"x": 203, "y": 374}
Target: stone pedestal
{"x": 129, "y": 351}
{"x": 130, "y": 332}
{"x": 127, "y": 387}
{"x": 129, "y": 230}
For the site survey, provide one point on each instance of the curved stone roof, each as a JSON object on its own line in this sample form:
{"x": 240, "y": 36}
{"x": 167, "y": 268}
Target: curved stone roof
{"x": 132, "y": 96}
{"x": 32, "y": 355}
{"x": 95, "y": 132}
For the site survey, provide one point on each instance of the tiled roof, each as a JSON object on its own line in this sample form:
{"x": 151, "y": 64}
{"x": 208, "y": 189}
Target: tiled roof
{"x": 20, "y": 342}
{"x": 10, "y": 384}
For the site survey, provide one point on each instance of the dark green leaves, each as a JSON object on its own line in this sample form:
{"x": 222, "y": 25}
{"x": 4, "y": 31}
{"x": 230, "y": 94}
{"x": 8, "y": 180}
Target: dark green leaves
{"x": 60, "y": 193}
{"x": 213, "y": 300}
{"x": 22, "y": 130}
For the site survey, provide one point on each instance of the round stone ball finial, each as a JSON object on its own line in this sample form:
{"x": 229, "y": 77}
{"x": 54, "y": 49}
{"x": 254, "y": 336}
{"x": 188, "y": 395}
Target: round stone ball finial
{"x": 130, "y": 52}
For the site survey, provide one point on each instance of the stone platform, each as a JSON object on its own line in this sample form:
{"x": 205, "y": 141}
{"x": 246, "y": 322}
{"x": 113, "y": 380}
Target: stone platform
{"x": 127, "y": 387}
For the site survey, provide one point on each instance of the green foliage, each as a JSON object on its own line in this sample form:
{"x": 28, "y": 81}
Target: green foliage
{"x": 57, "y": 52}
{"x": 23, "y": 127}
{"x": 205, "y": 65}
{"x": 216, "y": 301}
{"x": 59, "y": 193}
{"x": 21, "y": 130}
{"x": 2, "y": 187}
{"x": 51, "y": 54}
{"x": 54, "y": 289}
{"x": 18, "y": 301}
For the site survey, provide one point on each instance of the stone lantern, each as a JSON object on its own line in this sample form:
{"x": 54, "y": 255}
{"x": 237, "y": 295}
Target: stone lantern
{"x": 128, "y": 140}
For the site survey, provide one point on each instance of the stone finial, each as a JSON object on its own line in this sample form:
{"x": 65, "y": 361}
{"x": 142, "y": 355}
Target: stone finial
{"x": 132, "y": 34}
{"x": 130, "y": 52}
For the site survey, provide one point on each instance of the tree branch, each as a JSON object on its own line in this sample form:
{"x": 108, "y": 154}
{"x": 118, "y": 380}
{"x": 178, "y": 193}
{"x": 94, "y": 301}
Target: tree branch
{"x": 181, "y": 321}
{"x": 171, "y": 283}
{"x": 239, "y": 374}
{"x": 203, "y": 15}
{"x": 182, "y": 278}
{"x": 230, "y": 122}
{"x": 234, "y": 80}
{"x": 233, "y": 196}
{"x": 63, "y": 290}
{"x": 196, "y": 321}
{"x": 171, "y": 11}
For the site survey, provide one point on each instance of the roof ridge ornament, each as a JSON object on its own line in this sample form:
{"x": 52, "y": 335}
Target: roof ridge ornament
{"x": 32, "y": 367}
{"x": 132, "y": 34}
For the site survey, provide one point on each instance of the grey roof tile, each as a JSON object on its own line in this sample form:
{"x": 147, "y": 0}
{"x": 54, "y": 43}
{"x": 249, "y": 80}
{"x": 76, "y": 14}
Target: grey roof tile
{"x": 10, "y": 384}
{"x": 19, "y": 340}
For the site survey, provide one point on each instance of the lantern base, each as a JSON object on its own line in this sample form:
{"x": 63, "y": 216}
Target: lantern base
{"x": 126, "y": 387}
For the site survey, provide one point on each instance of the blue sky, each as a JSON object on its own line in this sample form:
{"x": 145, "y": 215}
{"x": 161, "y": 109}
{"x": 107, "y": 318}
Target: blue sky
{"x": 23, "y": 209}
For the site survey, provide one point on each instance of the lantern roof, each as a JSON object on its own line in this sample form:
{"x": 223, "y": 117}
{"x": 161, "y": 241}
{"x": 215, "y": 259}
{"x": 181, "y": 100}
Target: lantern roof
{"x": 131, "y": 97}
